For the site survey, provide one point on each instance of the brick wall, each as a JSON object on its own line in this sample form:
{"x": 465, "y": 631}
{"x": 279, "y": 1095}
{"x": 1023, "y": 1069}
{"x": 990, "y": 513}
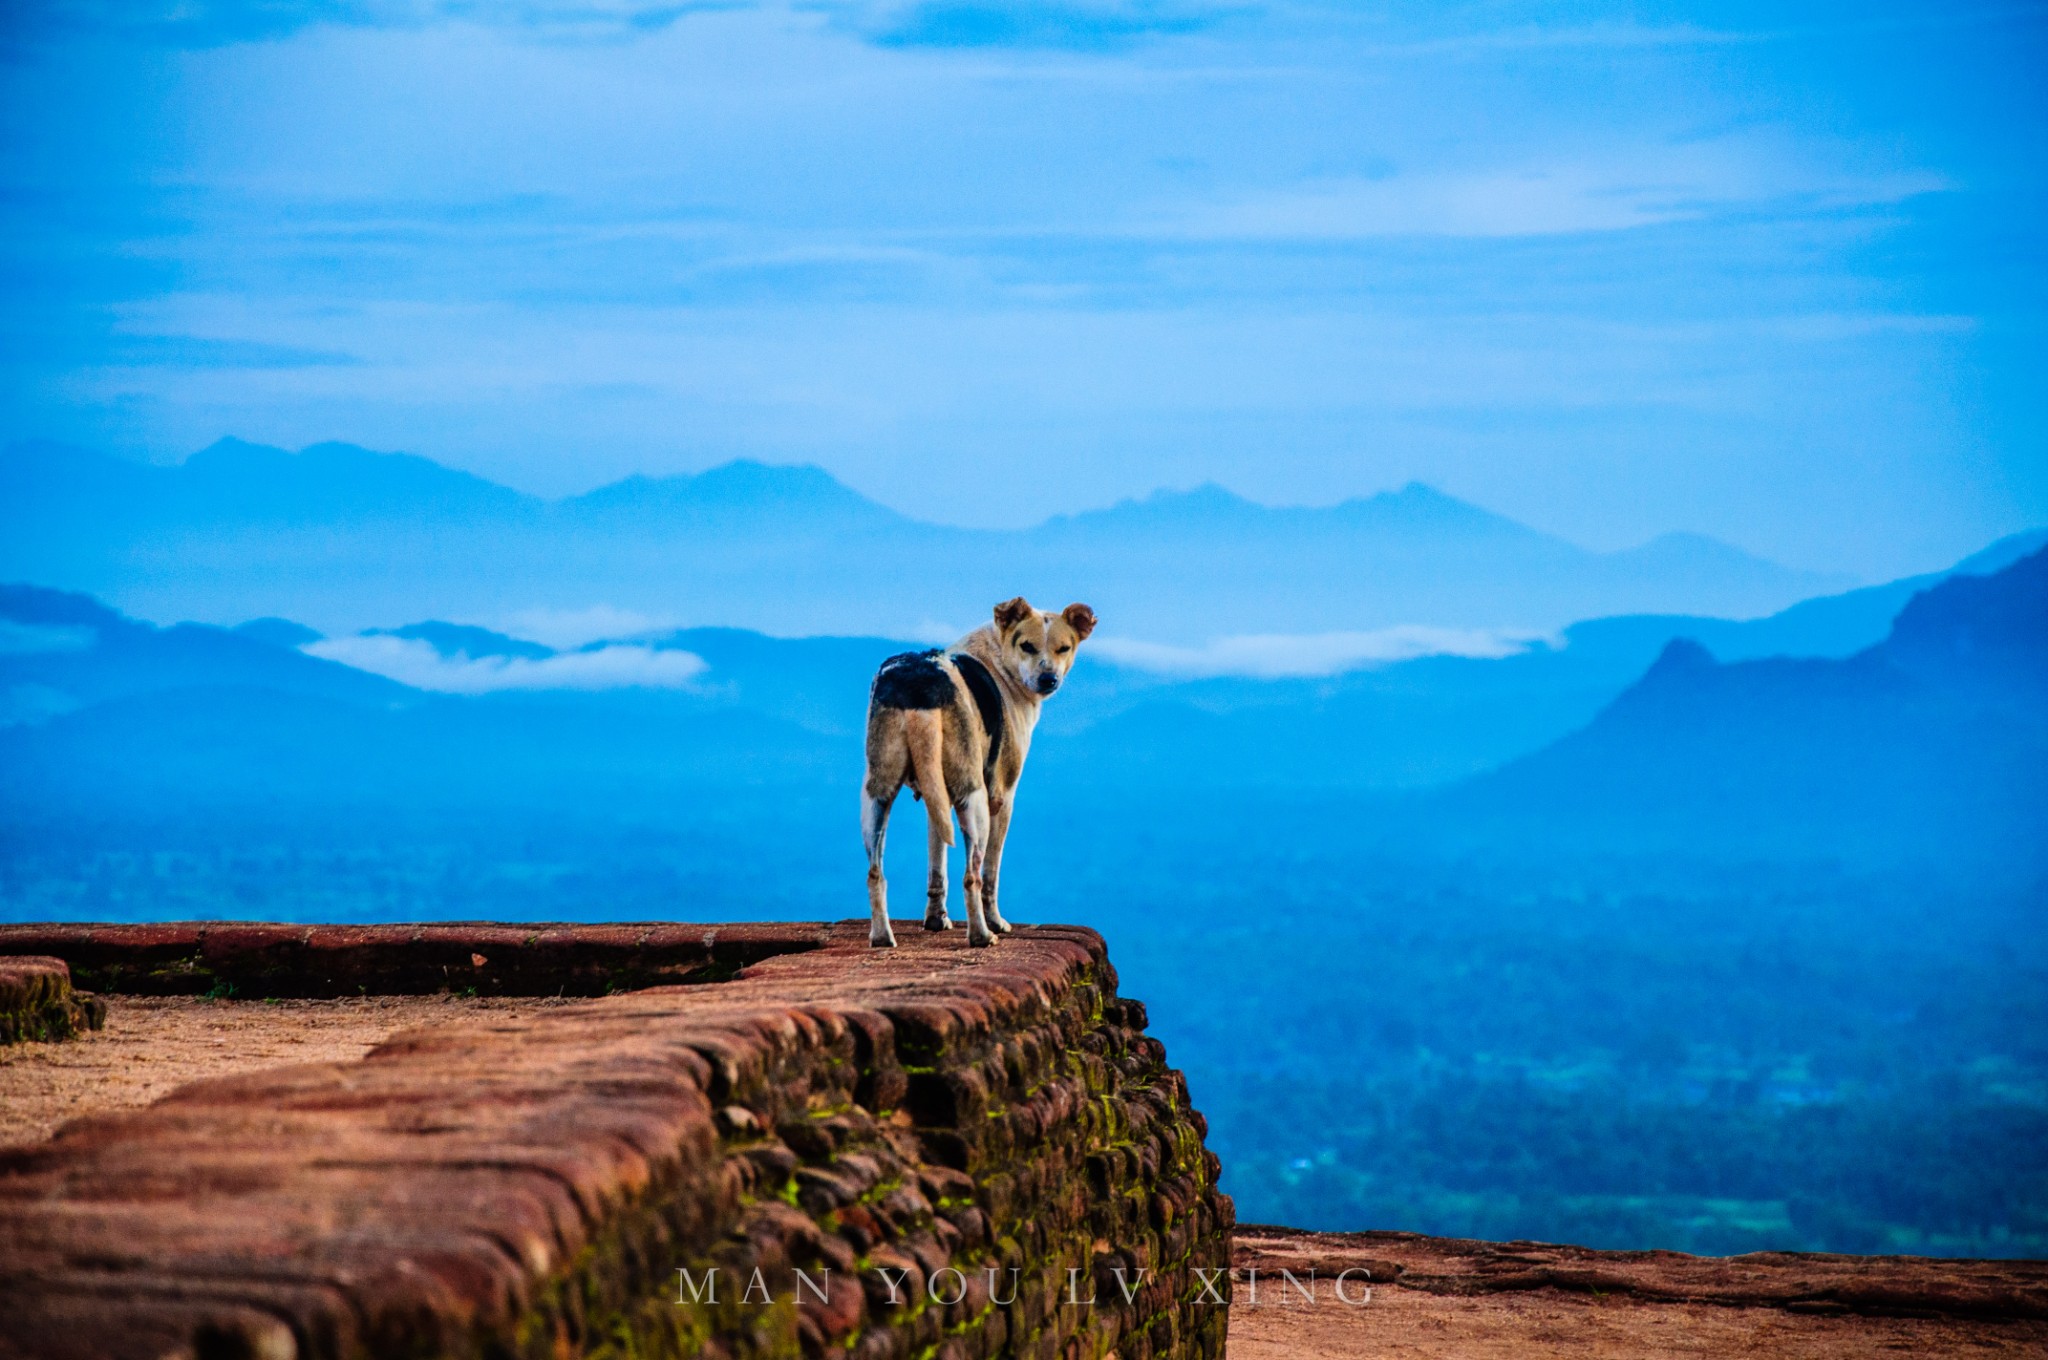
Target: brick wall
{"x": 881, "y": 1135}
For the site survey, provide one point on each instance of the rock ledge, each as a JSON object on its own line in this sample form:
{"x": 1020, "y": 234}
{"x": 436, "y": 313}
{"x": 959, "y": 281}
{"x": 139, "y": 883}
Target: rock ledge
{"x": 894, "y": 1125}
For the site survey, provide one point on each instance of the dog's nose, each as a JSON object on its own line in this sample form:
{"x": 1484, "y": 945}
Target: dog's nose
{"x": 1048, "y": 683}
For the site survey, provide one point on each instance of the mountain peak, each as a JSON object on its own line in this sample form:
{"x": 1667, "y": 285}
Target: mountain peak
{"x": 286, "y": 633}
{"x": 1681, "y": 656}
{"x": 1202, "y": 499}
{"x": 1166, "y": 510}
{"x": 749, "y": 481}
{"x": 2003, "y": 553}
{"x": 1991, "y": 629}
{"x": 234, "y": 479}
{"x": 1418, "y": 507}
{"x": 230, "y": 452}
{"x": 735, "y": 489}
{"x": 1422, "y": 493}
{"x": 466, "y": 641}
{"x": 1678, "y": 544}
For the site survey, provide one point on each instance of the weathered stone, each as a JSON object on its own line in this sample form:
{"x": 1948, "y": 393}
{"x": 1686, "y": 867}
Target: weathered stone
{"x": 37, "y": 1003}
{"x": 531, "y": 1187}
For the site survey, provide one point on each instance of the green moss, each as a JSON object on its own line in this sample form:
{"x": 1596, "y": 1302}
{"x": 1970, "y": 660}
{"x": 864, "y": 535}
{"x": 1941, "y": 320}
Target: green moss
{"x": 1040, "y": 1203}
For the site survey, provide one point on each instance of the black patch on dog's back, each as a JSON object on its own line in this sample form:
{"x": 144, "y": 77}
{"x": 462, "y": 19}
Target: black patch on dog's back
{"x": 982, "y": 686}
{"x": 913, "y": 680}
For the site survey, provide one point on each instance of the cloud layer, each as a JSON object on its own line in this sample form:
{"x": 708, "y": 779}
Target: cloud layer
{"x": 417, "y": 663}
{"x": 1272, "y": 656}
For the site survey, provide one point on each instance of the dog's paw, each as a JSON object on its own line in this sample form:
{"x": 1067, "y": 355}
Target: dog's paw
{"x": 881, "y": 939}
{"x": 981, "y": 941}
{"x": 1000, "y": 925}
{"x": 940, "y": 921}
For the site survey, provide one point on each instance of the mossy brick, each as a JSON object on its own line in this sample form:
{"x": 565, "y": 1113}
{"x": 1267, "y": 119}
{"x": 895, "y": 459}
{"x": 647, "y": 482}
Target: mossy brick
{"x": 529, "y": 1188}
{"x": 37, "y": 1004}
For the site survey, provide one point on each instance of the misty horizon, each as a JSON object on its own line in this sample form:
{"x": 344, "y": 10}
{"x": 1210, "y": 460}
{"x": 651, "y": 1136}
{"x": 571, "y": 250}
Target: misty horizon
{"x": 1210, "y": 491}
{"x": 1767, "y": 276}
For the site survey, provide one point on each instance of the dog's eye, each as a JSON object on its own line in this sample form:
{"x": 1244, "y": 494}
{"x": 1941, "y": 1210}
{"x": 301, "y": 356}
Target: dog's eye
{"x": 1029, "y": 650}
{"x": 1063, "y": 650}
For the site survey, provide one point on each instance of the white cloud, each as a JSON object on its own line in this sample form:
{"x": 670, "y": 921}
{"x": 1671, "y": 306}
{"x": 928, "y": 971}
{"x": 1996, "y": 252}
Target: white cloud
{"x": 416, "y": 663}
{"x": 1273, "y": 656}
{"x": 579, "y": 627}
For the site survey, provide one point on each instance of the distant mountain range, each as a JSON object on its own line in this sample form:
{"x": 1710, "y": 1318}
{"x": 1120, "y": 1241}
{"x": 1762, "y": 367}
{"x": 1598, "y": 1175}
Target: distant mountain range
{"x": 60, "y": 653}
{"x": 1931, "y": 745}
{"x": 1436, "y": 719}
{"x": 1426, "y": 721}
{"x": 343, "y": 538}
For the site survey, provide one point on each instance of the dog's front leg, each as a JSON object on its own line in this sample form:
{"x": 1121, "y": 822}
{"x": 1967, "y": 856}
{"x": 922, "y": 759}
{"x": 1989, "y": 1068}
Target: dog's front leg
{"x": 973, "y": 810}
{"x": 992, "y": 864}
{"x": 874, "y": 830}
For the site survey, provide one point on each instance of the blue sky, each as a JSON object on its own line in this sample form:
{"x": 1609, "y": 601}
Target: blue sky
{"x": 1773, "y": 273}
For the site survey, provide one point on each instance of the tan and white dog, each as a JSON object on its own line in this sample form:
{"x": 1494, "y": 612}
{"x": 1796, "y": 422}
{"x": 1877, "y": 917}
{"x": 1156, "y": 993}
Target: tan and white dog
{"x": 955, "y": 725}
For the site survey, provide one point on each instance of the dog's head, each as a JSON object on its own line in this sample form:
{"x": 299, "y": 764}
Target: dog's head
{"x": 1038, "y": 645}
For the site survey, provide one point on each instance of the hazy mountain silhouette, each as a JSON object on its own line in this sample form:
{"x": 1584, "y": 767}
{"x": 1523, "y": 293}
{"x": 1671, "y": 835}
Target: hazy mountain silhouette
{"x": 278, "y": 632}
{"x": 1933, "y": 742}
{"x": 452, "y": 640}
{"x": 1436, "y": 719}
{"x": 61, "y": 651}
{"x": 1416, "y": 723}
{"x": 342, "y": 538}
{"x": 1828, "y": 625}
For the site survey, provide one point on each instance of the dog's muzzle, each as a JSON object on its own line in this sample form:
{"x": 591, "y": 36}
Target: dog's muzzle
{"x": 1046, "y": 684}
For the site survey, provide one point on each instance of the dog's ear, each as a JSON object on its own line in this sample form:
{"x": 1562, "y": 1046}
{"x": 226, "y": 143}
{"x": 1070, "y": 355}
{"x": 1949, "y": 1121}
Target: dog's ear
{"x": 1081, "y": 619}
{"x": 1010, "y": 613}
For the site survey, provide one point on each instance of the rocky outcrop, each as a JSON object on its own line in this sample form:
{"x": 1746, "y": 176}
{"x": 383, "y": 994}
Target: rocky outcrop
{"x": 929, "y": 1151}
{"x": 1802, "y": 1282}
{"x": 37, "y": 1003}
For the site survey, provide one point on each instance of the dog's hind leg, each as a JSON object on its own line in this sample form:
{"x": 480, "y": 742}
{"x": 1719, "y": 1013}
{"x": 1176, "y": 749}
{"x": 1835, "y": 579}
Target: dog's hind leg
{"x": 973, "y": 810}
{"x": 935, "y": 917}
{"x": 874, "y": 831}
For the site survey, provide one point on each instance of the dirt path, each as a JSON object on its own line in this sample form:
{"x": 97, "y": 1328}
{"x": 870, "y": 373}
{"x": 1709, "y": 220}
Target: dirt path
{"x": 152, "y": 1045}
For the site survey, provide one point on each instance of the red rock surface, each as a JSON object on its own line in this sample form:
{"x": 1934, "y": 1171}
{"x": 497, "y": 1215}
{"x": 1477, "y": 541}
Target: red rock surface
{"x": 1444, "y": 1297}
{"x": 152, "y": 1045}
{"x": 530, "y": 1185}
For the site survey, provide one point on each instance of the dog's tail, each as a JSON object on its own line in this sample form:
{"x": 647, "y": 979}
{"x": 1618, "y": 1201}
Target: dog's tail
{"x": 926, "y": 740}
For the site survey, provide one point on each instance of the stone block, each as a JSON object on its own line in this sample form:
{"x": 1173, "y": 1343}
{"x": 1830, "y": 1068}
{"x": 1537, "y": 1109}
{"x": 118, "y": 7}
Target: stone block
{"x": 37, "y": 1003}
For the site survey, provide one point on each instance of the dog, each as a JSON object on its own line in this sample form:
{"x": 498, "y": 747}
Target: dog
{"x": 954, "y": 724}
